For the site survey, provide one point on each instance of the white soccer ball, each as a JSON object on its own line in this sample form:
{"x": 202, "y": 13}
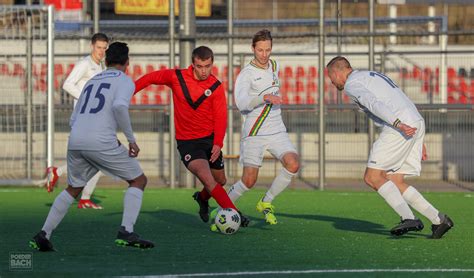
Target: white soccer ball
{"x": 227, "y": 221}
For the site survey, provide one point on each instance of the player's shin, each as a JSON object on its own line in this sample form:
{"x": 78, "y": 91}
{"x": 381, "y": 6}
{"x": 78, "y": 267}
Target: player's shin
{"x": 237, "y": 190}
{"x": 418, "y": 202}
{"x": 279, "y": 184}
{"x": 393, "y": 197}
{"x": 221, "y": 197}
{"x": 132, "y": 203}
{"x": 57, "y": 212}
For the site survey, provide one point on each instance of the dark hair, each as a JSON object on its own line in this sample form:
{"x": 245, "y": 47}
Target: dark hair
{"x": 99, "y": 37}
{"x": 338, "y": 63}
{"x": 117, "y": 53}
{"x": 202, "y": 53}
{"x": 262, "y": 35}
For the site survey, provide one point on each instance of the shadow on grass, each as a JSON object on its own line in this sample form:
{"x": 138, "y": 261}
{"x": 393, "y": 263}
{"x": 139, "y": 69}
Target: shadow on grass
{"x": 350, "y": 224}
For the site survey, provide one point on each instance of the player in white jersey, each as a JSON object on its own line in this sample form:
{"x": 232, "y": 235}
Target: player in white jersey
{"x": 83, "y": 71}
{"x": 399, "y": 149}
{"x": 258, "y": 98}
{"x": 102, "y": 108}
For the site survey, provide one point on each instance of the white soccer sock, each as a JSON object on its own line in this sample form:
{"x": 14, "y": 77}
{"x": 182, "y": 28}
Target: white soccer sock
{"x": 90, "y": 186}
{"x": 236, "y": 190}
{"x": 132, "y": 203}
{"x": 393, "y": 197}
{"x": 279, "y": 184}
{"x": 57, "y": 212}
{"x": 418, "y": 202}
{"x": 61, "y": 170}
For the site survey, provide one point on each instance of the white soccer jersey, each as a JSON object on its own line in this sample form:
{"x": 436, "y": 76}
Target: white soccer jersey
{"x": 379, "y": 96}
{"x": 101, "y": 109}
{"x": 82, "y": 72}
{"x": 252, "y": 84}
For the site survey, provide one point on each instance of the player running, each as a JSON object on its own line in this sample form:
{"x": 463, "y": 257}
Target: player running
{"x": 258, "y": 99}
{"x": 82, "y": 72}
{"x": 399, "y": 149}
{"x": 102, "y": 108}
{"x": 201, "y": 122}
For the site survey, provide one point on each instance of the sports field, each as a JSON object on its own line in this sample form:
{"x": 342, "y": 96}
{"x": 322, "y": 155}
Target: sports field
{"x": 330, "y": 234}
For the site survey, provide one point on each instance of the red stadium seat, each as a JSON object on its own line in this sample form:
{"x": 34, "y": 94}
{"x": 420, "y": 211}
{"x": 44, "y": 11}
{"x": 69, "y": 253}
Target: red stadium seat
{"x": 144, "y": 99}
{"x": 299, "y": 87}
{"x": 158, "y": 99}
{"x": 312, "y": 72}
{"x": 300, "y": 73}
{"x": 416, "y": 74}
{"x": 149, "y": 68}
{"x": 18, "y": 70}
{"x": 4, "y": 69}
{"x": 288, "y": 72}
{"x": 215, "y": 71}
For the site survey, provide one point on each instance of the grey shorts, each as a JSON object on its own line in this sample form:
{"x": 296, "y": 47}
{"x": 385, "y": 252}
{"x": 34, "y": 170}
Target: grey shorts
{"x": 83, "y": 165}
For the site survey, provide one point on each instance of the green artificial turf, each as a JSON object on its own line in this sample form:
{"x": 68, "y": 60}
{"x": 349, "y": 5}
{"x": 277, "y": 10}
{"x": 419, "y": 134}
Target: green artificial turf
{"x": 317, "y": 231}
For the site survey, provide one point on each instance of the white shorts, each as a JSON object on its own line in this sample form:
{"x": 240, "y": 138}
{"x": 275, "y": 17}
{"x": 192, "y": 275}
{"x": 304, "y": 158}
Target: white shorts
{"x": 394, "y": 153}
{"x": 83, "y": 165}
{"x": 252, "y": 148}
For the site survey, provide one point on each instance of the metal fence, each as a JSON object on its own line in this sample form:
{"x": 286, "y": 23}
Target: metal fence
{"x": 439, "y": 80}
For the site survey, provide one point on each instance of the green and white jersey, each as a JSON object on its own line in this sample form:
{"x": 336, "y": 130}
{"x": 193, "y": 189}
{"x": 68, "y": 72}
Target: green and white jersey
{"x": 260, "y": 118}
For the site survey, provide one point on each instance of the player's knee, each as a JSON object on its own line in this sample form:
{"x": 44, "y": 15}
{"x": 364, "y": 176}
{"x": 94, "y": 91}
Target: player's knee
{"x": 74, "y": 191}
{"x": 248, "y": 181}
{"x": 372, "y": 180}
{"x": 293, "y": 167}
{"x": 139, "y": 182}
{"x": 221, "y": 180}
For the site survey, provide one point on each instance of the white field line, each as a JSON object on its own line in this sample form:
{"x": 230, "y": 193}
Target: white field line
{"x": 309, "y": 271}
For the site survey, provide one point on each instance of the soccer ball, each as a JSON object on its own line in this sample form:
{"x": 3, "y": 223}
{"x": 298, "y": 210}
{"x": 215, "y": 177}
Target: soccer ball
{"x": 227, "y": 221}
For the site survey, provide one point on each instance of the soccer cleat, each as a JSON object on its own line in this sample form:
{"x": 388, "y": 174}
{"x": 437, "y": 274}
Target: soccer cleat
{"x": 213, "y": 213}
{"x": 125, "y": 238}
{"x": 407, "y": 225}
{"x": 51, "y": 178}
{"x": 214, "y": 228}
{"x": 441, "y": 229}
{"x": 203, "y": 207}
{"x": 268, "y": 210}
{"x": 84, "y": 204}
{"x": 41, "y": 243}
{"x": 244, "y": 220}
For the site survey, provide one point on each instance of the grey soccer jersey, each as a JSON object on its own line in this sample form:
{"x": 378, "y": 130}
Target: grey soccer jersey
{"x": 102, "y": 108}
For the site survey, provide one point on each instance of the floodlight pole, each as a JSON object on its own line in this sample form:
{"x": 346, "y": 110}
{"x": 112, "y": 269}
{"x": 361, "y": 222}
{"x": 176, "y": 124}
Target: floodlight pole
{"x": 370, "y": 123}
{"x": 172, "y": 145}
{"x": 322, "y": 135}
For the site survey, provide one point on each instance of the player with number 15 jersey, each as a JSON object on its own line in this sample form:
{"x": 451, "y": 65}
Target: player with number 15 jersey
{"x": 95, "y": 112}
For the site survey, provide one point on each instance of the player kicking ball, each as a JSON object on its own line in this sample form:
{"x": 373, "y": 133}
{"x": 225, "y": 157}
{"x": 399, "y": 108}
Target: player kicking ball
{"x": 93, "y": 146}
{"x": 258, "y": 99}
{"x": 398, "y": 151}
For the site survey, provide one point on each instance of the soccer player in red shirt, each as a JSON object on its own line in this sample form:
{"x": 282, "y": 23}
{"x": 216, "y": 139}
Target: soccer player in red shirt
{"x": 201, "y": 122}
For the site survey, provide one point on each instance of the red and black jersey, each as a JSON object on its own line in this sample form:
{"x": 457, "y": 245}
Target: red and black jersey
{"x": 200, "y": 106}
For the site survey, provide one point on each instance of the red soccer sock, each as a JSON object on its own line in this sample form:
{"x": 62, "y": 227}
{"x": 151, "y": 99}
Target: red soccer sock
{"x": 221, "y": 197}
{"x": 205, "y": 196}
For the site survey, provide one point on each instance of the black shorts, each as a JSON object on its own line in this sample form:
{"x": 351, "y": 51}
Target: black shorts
{"x": 200, "y": 148}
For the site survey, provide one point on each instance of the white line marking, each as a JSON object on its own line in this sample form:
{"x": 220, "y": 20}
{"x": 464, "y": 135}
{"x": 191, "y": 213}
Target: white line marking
{"x": 309, "y": 271}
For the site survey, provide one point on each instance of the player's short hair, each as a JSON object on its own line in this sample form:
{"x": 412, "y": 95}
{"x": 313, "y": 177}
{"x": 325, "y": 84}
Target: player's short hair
{"x": 262, "y": 35}
{"x": 339, "y": 63}
{"x": 99, "y": 37}
{"x": 116, "y": 54}
{"x": 203, "y": 53}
